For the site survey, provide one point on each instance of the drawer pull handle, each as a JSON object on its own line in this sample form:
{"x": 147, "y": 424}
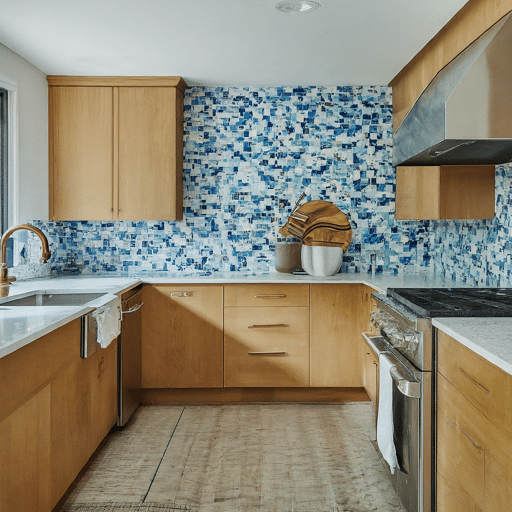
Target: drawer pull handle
{"x": 181, "y": 294}
{"x": 278, "y": 296}
{"x": 485, "y": 390}
{"x": 272, "y": 353}
{"x": 259, "y": 326}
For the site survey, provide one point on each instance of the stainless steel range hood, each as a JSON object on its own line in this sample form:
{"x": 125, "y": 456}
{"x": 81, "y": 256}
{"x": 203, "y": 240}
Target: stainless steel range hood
{"x": 464, "y": 116}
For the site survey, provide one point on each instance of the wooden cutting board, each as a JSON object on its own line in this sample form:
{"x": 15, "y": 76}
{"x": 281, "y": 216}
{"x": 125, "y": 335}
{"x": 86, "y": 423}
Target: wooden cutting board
{"x": 319, "y": 223}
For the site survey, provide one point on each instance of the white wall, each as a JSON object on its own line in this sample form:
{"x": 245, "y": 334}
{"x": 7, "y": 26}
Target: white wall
{"x": 32, "y": 134}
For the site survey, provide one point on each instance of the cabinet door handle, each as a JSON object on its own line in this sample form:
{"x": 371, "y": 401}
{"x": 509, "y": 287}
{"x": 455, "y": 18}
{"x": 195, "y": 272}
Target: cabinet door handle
{"x": 271, "y": 353}
{"x": 276, "y": 296}
{"x": 181, "y": 294}
{"x": 133, "y": 309}
{"x": 485, "y": 390}
{"x": 259, "y": 326}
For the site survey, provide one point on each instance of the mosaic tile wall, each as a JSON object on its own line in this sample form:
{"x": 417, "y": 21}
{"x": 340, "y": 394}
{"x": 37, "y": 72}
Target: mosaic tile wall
{"x": 477, "y": 251}
{"x": 248, "y": 155}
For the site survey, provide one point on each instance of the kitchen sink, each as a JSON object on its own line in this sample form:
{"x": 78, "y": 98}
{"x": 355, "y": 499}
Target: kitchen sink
{"x": 52, "y": 299}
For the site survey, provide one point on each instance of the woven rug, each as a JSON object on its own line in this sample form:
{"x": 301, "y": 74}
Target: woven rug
{"x": 122, "y": 507}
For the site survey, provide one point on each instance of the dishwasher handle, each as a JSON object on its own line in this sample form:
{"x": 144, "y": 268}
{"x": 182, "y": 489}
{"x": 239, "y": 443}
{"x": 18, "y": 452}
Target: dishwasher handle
{"x": 133, "y": 309}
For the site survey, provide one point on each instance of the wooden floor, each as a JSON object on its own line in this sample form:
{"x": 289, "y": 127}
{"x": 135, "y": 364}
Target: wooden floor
{"x": 224, "y": 458}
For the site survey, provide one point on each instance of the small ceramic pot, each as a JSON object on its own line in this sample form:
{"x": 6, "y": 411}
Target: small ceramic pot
{"x": 320, "y": 260}
{"x": 288, "y": 256}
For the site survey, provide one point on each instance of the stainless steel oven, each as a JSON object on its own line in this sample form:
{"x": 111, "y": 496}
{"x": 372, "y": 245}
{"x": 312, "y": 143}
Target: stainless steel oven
{"x": 404, "y": 321}
{"x": 407, "y": 339}
{"x": 411, "y": 398}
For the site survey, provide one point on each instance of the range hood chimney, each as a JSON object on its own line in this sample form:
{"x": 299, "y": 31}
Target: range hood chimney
{"x": 464, "y": 116}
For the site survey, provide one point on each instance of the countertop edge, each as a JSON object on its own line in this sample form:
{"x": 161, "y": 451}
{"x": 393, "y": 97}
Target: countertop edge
{"x": 77, "y": 312}
{"x": 119, "y": 285}
{"x": 476, "y": 347}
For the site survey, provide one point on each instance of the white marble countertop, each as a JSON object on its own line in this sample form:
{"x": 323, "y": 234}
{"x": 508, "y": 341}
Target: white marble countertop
{"x": 22, "y": 325}
{"x": 490, "y": 338}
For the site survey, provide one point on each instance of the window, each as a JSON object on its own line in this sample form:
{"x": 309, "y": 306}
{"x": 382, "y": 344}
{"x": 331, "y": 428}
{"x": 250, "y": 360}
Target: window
{"x": 4, "y": 160}
{"x": 8, "y": 159}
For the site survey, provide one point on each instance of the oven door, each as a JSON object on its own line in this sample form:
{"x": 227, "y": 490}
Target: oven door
{"x": 410, "y": 394}
{"x": 406, "y": 393}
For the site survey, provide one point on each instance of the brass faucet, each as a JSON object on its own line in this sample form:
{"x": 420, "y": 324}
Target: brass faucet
{"x": 5, "y": 280}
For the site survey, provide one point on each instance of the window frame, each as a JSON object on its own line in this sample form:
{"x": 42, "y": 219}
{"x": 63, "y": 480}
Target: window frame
{"x": 12, "y": 159}
{"x": 12, "y": 149}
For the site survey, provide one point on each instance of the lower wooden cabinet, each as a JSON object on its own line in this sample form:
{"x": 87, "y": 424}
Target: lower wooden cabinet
{"x": 71, "y": 427}
{"x": 182, "y": 336}
{"x": 55, "y": 409}
{"x": 474, "y": 450}
{"x": 300, "y": 335}
{"x": 25, "y": 478}
{"x": 339, "y": 314}
{"x": 102, "y": 379}
{"x": 266, "y": 347}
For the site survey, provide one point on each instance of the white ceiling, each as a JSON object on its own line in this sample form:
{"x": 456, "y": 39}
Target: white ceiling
{"x": 224, "y": 42}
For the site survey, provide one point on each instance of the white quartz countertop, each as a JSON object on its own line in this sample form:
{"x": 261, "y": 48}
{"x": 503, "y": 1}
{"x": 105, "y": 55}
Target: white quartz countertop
{"x": 490, "y": 338}
{"x": 22, "y": 325}
{"x": 122, "y": 282}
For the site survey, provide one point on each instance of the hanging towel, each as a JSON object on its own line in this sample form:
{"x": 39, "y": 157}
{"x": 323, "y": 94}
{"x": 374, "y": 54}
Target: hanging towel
{"x": 108, "y": 319}
{"x": 385, "y": 413}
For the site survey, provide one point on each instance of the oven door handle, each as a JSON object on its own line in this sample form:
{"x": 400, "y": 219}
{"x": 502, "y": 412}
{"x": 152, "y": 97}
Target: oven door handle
{"x": 410, "y": 388}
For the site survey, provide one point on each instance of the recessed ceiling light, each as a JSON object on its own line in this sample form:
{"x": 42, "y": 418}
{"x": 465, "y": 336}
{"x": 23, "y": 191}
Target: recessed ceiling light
{"x": 296, "y": 6}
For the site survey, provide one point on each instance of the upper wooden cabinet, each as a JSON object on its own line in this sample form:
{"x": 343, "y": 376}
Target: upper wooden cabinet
{"x": 446, "y": 192}
{"x": 116, "y": 148}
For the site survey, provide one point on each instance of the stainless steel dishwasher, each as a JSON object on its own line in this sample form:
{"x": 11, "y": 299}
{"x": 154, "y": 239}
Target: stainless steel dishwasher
{"x": 130, "y": 356}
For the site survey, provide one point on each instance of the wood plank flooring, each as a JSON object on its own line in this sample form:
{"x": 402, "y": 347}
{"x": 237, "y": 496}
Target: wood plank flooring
{"x": 251, "y": 458}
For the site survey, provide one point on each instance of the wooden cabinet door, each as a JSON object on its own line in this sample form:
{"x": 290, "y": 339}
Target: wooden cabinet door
{"x": 460, "y": 444}
{"x": 81, "y": 153}
{"x": 102, "y": 377}
{"x": 150, "y": 153}
{"x": 474, "y": 449}
{"x": 25, "y": 483}
{"x": 371, "y": 368}
{"x": 339, "y": 314}
{"x": 70, "y": 425}
{"x": 182, "y": 336}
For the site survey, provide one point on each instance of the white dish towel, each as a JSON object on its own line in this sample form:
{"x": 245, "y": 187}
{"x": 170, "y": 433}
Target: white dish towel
{"x": 385, "y": 413}
{"x": 108, "y": 319}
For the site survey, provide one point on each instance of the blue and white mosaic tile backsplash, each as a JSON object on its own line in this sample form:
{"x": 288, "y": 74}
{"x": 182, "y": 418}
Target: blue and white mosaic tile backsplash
{"x": 248, "y": 155}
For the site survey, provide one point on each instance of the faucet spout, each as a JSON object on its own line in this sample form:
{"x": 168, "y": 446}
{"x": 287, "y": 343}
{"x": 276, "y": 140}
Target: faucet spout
{"x": 4, "y": 278}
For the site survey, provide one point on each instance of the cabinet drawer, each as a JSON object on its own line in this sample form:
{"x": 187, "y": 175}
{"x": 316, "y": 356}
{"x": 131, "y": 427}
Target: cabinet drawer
{"x": 266, "y": 347}
{"x": 485, "y": 385}
{"x": 248, "y": 295}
